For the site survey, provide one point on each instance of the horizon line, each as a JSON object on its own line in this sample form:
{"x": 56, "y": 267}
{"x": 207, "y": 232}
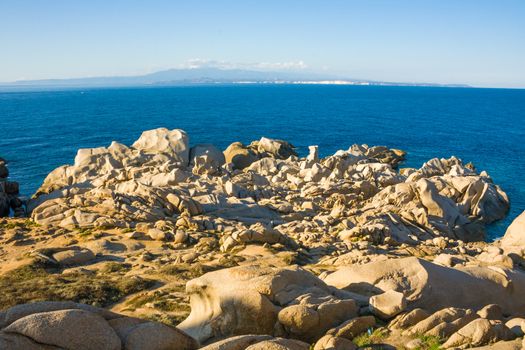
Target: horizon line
{"x": 329, "y": 80}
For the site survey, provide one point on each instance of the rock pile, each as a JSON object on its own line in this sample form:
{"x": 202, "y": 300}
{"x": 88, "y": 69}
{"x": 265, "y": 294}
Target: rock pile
{"x": 353, "y": 195}
{"x": 269, "y": 250}
{"x": 427, "y": 299}
{"x": 9, "y": 191}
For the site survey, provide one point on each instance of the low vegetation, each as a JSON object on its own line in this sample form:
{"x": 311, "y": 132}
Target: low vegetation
{"x": 429, "y": 343}
{"x": 371, "y": 337}
{"x": 37, "y": 282}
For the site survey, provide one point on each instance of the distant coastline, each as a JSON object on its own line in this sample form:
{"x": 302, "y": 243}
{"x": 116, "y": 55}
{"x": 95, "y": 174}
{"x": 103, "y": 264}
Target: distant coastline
{"x": 211, "y": 76}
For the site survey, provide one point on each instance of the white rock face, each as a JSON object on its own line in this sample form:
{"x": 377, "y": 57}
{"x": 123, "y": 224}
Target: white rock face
{"x": 206, "y": 159}
{"x": 514, "y": 238}
{"x": 433, "y": 287}
{"x": 171, "y": 142}
{"x": 304, "y": 200}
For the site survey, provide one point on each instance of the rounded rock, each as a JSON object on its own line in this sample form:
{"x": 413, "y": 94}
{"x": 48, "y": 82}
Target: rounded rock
{"x": 388, "y": 304}
{"x": 69, "y": 329}
{"x": 298, "y": 318}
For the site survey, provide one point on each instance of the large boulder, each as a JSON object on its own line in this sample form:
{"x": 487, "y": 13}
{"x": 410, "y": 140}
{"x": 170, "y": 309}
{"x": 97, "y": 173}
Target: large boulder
{"x": 69, "y": 329}
{"x": 514, "y": 238}
{"x": 434, "y": 287}
{"x": 68, "y": 325}
{"x": 118, "y": 186}
{"x": 239, "y": 155}
{"x": 171, "y": 142}
{"x": 275, "y": 148}
{"x": 352, "y": 328}
{"x": 259, "y": 300}
{"x": 22, "y": 310}
{"x": 206, "y": 159}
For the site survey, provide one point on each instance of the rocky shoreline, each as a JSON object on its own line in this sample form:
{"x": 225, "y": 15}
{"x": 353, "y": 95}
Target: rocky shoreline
{"x": 254, "y": 247}
{"x": 9, "y": 191}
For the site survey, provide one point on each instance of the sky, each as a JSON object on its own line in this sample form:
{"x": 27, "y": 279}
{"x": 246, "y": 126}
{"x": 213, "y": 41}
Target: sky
{"x": 476, "y": 42}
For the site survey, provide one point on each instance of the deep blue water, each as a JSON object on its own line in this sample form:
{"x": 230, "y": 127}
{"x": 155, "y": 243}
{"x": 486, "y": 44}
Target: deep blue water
{"x": 42, "y": 130}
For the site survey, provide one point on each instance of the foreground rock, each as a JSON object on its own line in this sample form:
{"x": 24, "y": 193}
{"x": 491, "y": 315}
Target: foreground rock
{"x": 281, "y": 302}
{"x": 432, "y": 287}
{"x": 63, "y": 325}
{"x": 295, "y": 304}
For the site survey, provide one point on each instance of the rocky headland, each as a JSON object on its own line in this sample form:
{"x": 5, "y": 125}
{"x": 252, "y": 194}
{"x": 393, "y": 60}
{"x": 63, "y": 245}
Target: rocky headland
{"x": 160, "y": 245}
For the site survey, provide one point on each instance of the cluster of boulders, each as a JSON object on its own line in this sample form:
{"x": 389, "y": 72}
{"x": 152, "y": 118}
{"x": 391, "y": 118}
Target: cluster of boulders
{"x": 465, "y": 306}
{"x": 353, "y": 195}
{"x": 381, "y": 248}
{"x": 9, "y": 191}
{"x": 68, "y": 325}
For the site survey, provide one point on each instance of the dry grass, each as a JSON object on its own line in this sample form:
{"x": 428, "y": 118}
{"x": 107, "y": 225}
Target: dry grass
{"x": 36, "y": 282}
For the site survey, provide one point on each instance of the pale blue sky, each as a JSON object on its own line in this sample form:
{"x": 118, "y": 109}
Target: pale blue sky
{"x": 477, "y": 42}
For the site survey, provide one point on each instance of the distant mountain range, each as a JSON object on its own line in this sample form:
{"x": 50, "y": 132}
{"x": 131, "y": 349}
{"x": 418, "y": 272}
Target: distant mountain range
{"x": 193, "y": 76}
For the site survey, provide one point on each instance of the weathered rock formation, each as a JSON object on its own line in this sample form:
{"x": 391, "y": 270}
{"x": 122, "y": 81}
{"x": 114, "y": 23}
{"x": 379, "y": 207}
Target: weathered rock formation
{"x": 256, "y": 300}
{"x": 352, "y": 195}
{"x": 295, "y": 304}
{"x": 431, "y": 287}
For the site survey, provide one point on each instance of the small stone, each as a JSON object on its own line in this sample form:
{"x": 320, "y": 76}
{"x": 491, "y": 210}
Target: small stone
{"x": 157, "y": 235}
{"x": 134, "y": 235}
{"x": 180, "y": 237}
{"x": 491, "y": 312}
{"x": 74, "y": 257}
{"x": 147, "y": 256}
{"x": 190, "y": 257}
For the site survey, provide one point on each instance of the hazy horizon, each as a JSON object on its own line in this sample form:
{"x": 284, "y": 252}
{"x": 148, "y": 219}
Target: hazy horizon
{"x": 479, "y": 43}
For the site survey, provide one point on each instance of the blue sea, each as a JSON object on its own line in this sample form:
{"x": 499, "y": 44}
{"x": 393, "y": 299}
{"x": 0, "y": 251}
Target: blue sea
{"x": 40, "y": 130}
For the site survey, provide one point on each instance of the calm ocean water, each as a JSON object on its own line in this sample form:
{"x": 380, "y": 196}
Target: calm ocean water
{"x": 42, "y": 130}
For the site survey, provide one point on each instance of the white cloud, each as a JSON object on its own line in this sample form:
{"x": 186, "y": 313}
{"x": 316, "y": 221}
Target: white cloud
{"x": 281, "y": 65}
{"x": 204, "y": 63}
